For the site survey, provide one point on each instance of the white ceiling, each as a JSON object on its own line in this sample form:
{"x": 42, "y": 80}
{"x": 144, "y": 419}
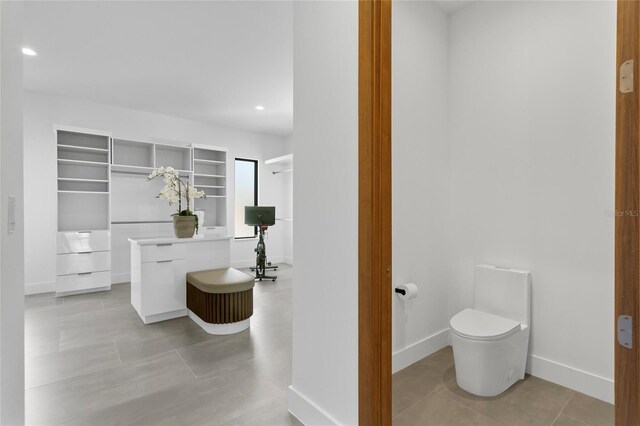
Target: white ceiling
{"x": 207, "y": 61}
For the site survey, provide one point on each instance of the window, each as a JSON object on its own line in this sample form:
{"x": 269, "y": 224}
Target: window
{"x": 246, "y": 179}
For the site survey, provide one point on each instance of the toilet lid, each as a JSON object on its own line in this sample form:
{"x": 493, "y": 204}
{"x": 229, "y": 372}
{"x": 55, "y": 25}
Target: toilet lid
{"x": 478, "y": 325}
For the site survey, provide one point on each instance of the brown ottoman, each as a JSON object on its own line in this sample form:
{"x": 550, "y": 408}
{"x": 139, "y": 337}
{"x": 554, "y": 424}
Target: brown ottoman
{"x": 220, "y": 300}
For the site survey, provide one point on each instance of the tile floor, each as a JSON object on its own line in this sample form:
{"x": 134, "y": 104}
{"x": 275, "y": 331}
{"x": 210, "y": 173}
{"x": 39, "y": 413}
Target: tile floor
{"x": 91, "y": 361}
{"x": 426, "y": 393}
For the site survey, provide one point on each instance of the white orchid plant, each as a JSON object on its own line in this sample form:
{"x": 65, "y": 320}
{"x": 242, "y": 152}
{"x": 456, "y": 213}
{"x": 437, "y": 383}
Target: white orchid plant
{"x": 175, "y": 189}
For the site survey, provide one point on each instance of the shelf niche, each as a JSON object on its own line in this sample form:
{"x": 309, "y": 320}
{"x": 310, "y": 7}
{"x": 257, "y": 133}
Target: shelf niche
{"x": 83, "y": 211}
{"x": 177, "y": 157}
{"x": 83, "y": 185}
{"x": 210, "y": 176}
{"x": 82, "y": 140}
{"x": 132, "y": 153}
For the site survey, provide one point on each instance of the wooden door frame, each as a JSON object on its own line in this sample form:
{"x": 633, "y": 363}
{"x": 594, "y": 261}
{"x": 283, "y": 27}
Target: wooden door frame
{"x": 627, "y": 222}
{"x": 374, "y": 225}
{"x": 374, "y": 213}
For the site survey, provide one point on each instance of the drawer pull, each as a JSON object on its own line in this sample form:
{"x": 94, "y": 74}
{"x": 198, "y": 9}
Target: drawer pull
{"x": 85, "y": 273}
{"x": 164, "y": 245}
{"x": 164, "y": 261}
{"x": 84, "y": 252}
{"x": 84, "y": 232}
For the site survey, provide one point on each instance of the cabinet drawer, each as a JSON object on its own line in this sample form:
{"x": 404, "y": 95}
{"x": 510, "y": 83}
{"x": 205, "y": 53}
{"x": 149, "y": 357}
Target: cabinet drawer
{"x": 77, "y": 242}
{"x": 79, "y": 282}
{"x": 76, "y": 263}
{"x": 163, "y": 286}
{"x": 156, "y": 252}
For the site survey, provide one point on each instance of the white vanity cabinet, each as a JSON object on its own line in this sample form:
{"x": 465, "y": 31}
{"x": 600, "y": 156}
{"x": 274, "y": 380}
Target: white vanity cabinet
{"x": 155, "y": 282}
{"x": 159, "y": 267}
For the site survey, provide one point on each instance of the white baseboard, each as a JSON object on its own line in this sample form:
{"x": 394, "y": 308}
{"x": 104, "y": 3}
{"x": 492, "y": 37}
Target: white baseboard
{"x": 247, "y": 263}
{"x": 37, "y": 288}
{"x": 288, "y": 260}
{"x": 307, "y": 411}
{"x": 573, "y": 378}
{"x": 564, "y": 375}
{"x": 121, "y": 278}
{"x": 415, "y": 352}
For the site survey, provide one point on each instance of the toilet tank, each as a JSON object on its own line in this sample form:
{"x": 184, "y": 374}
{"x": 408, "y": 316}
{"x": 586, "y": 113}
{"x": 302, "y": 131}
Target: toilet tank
{"x": 503, "y": 291}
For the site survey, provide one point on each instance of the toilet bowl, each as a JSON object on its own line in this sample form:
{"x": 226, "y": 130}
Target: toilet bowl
{"x": 491, "y": 339}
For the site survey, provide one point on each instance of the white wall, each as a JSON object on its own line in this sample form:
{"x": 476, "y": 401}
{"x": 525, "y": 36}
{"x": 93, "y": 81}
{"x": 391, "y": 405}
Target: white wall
{"x": 287, "y": 251}
{"x": 420, "y": 178}
{"x": 325, "y": 297}
{"x": 11, "y": 243}
{"x": 42, "y": 111}
{"x": 287, "y": 212}
{"x": 532, "y": 112}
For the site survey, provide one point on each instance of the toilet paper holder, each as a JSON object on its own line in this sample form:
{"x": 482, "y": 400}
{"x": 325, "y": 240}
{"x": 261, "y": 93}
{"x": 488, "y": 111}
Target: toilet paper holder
{"x": 406, "y": 291}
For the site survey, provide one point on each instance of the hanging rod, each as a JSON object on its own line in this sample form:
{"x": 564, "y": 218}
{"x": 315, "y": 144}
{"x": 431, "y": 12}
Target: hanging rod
{"x": 282, "y": 171}
{"x": 137, "y": 222}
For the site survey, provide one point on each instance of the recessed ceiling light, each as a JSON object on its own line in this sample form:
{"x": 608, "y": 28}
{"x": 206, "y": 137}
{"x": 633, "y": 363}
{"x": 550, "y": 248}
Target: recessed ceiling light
{"x": 29, "y": 52}
{"x": 259, "y": 108}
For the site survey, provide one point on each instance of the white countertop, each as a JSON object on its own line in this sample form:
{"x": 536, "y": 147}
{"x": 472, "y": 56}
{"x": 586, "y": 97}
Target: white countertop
{"x": 174, "y": 240}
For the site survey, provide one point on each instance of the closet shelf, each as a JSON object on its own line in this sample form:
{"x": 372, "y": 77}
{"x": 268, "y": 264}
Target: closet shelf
{"x": 77, "y": 148}
{"x": 123, "y": 168}
{"x": 83, "y": 180}
{"x": 203, "y": 161}
{"x": 130, "y": 168}
{"x": 283, "y": 159}
{"x": 209, "y": 176}
{"x": 63, "y": 191}
{"x": 82, "y": 162}
{"x": 74, "y": 229}
{"x": 138, "y": 222}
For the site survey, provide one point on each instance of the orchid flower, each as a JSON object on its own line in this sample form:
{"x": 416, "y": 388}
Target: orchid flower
{"x": 175, "y": 189}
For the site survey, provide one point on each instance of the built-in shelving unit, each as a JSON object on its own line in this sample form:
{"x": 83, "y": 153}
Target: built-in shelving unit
{"x": 285, "y": 164}
{"x": 84, "y": 189}
{"x": 103, "y": 194}
{"x": 132, "y": 156}
{"x": 83, "y": 176}
{"x": 178, "y": 157}
{"x": 142, "y": 157}
{"x": 210, "y": 176}
{"x": 133, "y": 197}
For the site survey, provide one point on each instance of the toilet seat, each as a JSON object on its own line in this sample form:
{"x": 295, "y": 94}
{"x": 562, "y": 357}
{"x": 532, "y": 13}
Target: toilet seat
{"x": 478, "y": 325}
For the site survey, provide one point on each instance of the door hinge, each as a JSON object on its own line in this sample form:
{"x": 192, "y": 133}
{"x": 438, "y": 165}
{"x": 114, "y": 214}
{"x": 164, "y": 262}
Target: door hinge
{"x": 626, "y": 77}
{"x": 625, "y": 331}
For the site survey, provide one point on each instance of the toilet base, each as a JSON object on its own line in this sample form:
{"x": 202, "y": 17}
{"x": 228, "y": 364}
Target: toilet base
{"x": 488, "y": 368}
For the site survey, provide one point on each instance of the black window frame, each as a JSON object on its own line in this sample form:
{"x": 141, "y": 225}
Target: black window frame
{"x": 255, "y": 190}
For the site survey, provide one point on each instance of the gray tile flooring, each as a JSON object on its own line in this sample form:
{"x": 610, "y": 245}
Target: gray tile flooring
{"x": 91, "y": 361}
{"x": 426, "y": 393}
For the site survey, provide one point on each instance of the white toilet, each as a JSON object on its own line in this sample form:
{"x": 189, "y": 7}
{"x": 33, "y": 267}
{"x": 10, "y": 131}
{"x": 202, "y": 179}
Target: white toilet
{"x": 490, "y": 340}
